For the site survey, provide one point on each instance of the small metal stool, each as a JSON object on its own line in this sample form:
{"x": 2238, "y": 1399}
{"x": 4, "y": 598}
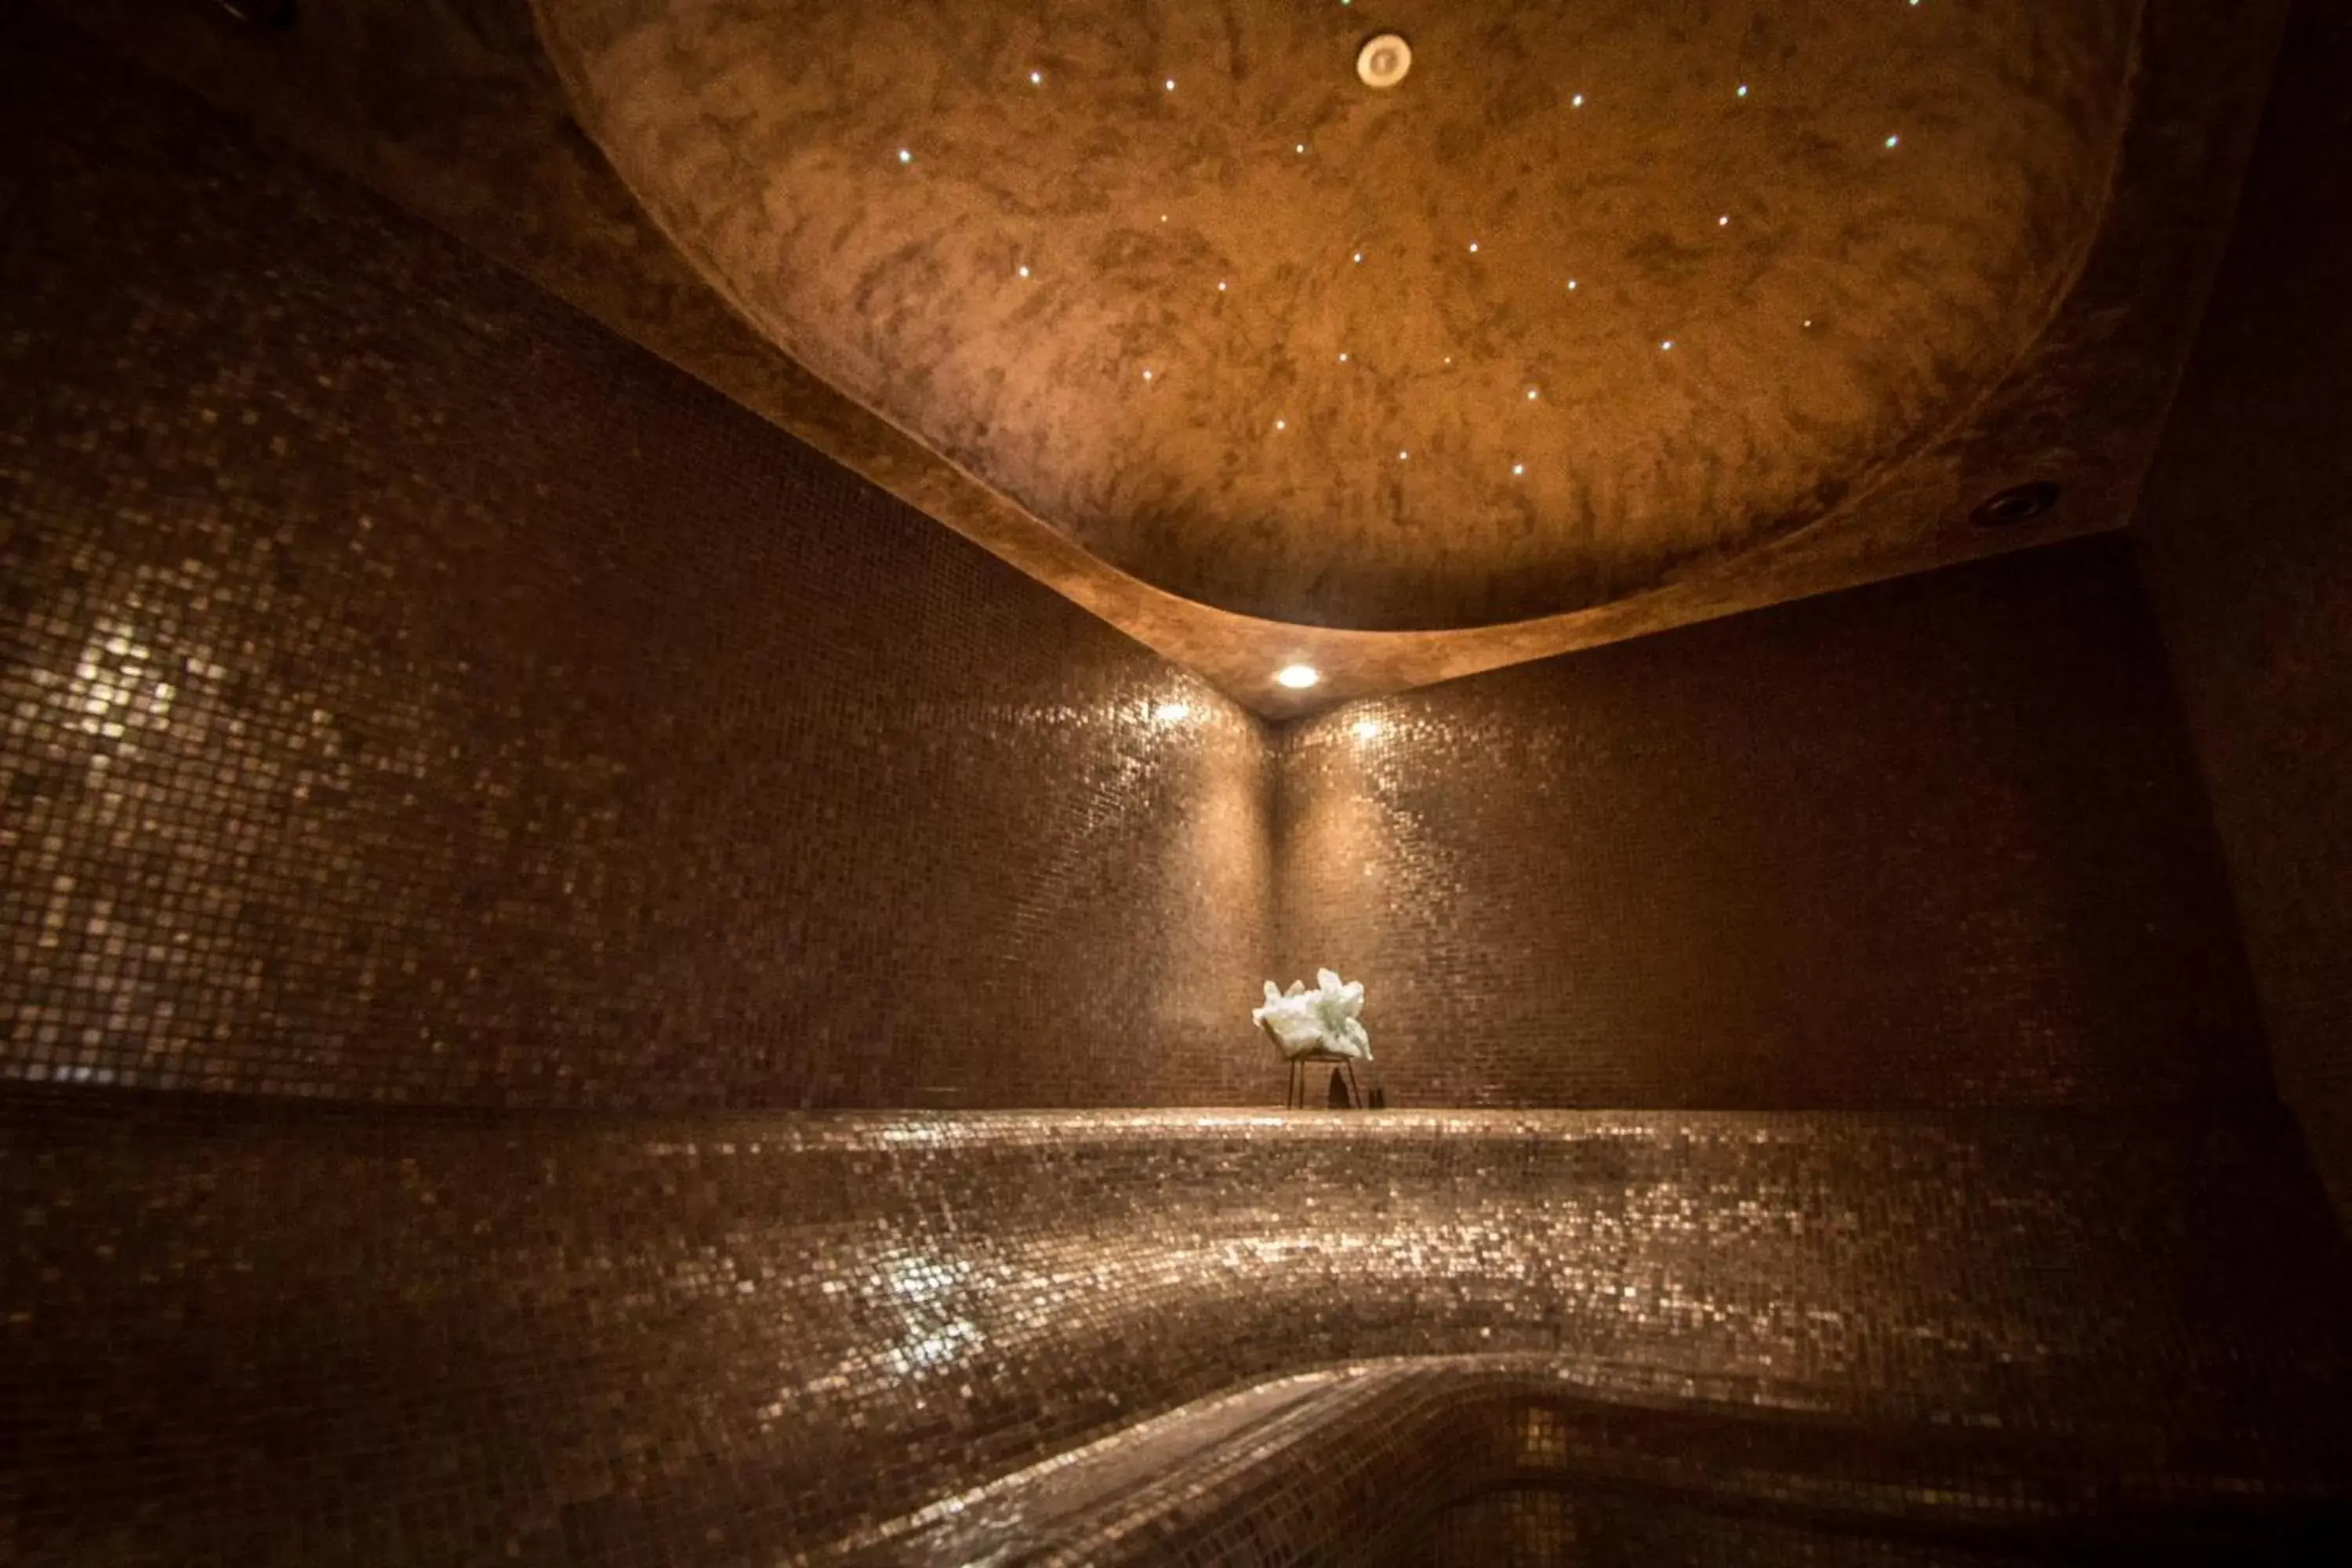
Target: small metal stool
{"x": 1297, "y": 1098}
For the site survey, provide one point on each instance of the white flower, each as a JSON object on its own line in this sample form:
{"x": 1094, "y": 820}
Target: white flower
{"x": 1302, "y": 1021}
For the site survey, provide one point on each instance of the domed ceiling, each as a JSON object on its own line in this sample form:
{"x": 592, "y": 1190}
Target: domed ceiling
{"x": 1599, "y": 290}
{"x": 1869, "y": 340}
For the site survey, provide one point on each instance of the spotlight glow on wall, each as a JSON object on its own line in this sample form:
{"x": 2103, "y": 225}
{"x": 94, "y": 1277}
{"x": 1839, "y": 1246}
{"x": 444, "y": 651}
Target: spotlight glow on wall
{"x": 1368, "y": 728}
{"x": 1172, "y": 712}
{"x": 1298, "y": 677}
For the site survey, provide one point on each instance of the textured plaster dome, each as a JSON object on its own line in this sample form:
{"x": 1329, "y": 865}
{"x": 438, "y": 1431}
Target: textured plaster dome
{"x": 1138, "y": 308}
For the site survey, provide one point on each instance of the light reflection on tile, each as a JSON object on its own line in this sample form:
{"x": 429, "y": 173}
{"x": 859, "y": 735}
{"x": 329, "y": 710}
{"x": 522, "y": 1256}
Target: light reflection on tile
{"x": 800, "y": 1329}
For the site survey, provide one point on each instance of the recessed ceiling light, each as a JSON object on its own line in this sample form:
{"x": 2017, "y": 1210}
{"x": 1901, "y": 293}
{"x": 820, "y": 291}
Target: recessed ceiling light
{"x": 1743, "y": 90}
{"x": 1572, "y": 285}
{"x": 1036, "y": 79}
{"x": 1169, "y": 84}
{"x": 905, "y": 156}
{"x": 1221, "y": 286}
{"x": 1403, "y": 456}
{"x": 2017, "y": 504}
{"x": 1298, "y": 677}
{"x": 1531, "y": 394}
{"x": 1474, "y": 247}
{"x": 1518, "y": 468}
{"x": 1891, "y": 140}
{"x": 1025, "y": 272}
{"x": 1343, "y": 356}
{"x": 1383, "y": 61}
{"x": 1147, "y": 375}
{"x": 1577, "y": 102}
{"x": 1666, "y": 345}
{"x": 1723, "y": 222}
{"x": 1282, "y": 424}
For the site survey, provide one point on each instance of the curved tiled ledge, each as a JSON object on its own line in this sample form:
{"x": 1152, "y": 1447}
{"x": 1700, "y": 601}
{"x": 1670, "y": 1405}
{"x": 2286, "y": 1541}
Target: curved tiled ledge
{"x": 1421, "y": 1460}
{"x": 271, "y": 1333}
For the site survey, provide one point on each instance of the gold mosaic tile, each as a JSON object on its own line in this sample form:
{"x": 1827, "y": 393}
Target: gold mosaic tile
{"x": 243, "y": 1331}
{"x": 409, "y": 691}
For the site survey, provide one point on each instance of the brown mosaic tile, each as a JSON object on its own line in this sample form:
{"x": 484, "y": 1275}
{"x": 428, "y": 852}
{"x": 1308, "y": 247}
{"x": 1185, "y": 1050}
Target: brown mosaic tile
{"x": 1933, "y": 842}
{"x": 277, "y": 1333}
{"x": 410, "y": 692}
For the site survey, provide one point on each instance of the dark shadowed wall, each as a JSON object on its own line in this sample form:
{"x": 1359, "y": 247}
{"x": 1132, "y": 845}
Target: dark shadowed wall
{"x": 1934, "y": 842}
{"x": 2246, "y": 535}
{"x": 413, "y": 692}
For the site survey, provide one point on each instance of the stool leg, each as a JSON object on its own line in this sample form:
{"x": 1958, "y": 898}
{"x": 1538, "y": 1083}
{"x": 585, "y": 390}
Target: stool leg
{"x": 1355, "y": 1097}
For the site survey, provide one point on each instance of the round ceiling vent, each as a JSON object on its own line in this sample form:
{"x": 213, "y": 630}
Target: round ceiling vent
{"x": 2017, "y": 504}
{"x": 1383, "y": 61}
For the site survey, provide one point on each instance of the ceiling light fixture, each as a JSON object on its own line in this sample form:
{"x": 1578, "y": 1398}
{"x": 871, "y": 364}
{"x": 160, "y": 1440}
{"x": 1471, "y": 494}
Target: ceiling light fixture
{"x": 1383, "y": 61}
{"x": 1298, "y": 677}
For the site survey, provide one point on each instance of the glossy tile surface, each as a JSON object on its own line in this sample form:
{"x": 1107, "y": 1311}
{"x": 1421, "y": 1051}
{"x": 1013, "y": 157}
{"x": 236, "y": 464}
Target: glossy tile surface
{"x": 409, "y": 691}
{"x": 266, "y": 1333}
{"x": 1927, "y": 843}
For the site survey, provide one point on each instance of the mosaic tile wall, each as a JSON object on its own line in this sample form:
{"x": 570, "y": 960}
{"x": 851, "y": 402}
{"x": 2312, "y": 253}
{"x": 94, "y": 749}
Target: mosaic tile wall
{"x": 1934, "y": 842}
{"x": 413, "y": 692}
{"x": 726, "y": 1339}
{"x": 2246, "y": 536}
